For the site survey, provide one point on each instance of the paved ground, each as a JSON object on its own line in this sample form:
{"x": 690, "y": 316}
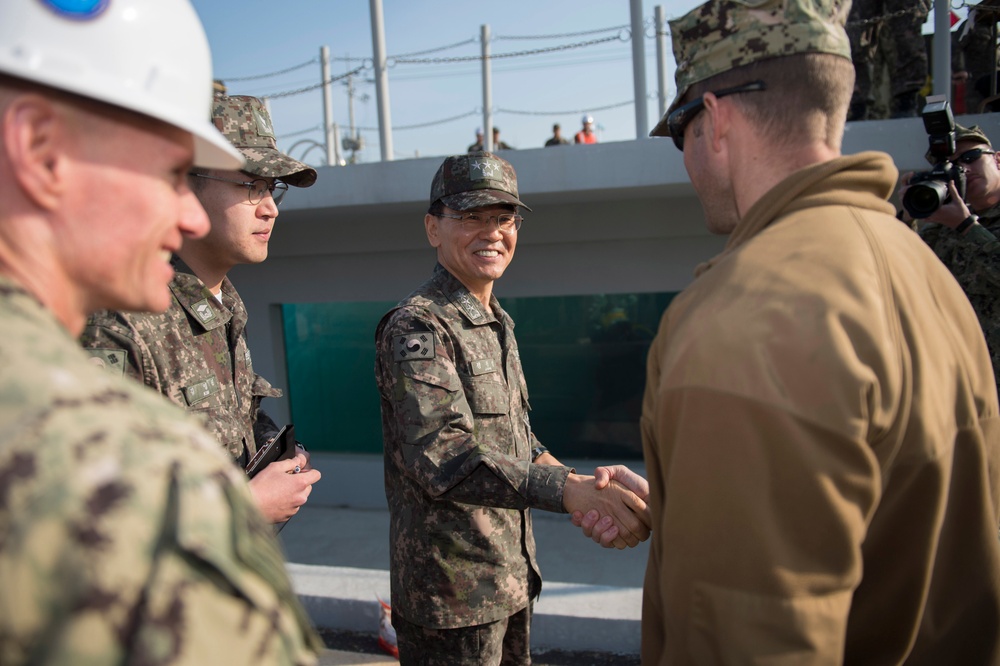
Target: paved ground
{"x": 346, "y": 524}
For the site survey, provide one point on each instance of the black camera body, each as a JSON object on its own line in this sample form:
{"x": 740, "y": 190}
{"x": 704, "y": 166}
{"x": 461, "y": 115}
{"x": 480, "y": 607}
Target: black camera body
{"x": 928, "y": 190}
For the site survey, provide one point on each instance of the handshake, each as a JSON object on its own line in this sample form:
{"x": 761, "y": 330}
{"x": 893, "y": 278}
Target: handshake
{"x": 610, "y": 507}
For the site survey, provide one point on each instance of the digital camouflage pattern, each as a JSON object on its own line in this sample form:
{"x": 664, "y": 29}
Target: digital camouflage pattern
{"x": 247, "y": 124}
{"x": 974, "y": 260}
{"x": 196, "y": 354}
{"x": 463, "y": 182}
{"x": 458, "y": 450}
{"x": 125, "y": 535}
{"x": 506, "y": 642}
{"x": 721, "y": 35}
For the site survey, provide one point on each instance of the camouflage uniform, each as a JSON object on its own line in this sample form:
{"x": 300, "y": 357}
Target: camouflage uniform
{"x": 898, "y": 33}
{"x": 458, "y": 450}
{"x": 125, "y": 537}
{"x": 974, "y": 260}
{"x": 196, "y": 354}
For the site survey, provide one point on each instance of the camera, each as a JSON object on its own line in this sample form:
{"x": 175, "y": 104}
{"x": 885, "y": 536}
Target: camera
{"x": 928, "y": 190}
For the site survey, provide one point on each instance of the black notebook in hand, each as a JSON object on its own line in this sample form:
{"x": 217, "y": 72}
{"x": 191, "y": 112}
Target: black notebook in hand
{"x": 281, "y": 447}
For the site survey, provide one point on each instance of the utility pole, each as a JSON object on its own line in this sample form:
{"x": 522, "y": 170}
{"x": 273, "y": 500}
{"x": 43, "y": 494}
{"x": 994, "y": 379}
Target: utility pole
{"x": 639, "y": 70}
{"x": 329, "y": 131}
{"x": 381, "y": 80}
{"x": 484, "y": 37}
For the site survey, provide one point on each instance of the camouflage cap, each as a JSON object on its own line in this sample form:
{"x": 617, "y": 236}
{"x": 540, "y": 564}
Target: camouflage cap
{"x": 721, "y": 35}
{"x": 477, "y": 179}
{"x": 247, "y": 124}
{"x": 973, "y": 134}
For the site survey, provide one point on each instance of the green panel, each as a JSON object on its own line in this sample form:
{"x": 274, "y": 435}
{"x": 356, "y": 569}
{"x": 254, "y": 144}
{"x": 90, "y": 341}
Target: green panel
{"x": 584, "y": 358}
{"x": 330, "y": 353}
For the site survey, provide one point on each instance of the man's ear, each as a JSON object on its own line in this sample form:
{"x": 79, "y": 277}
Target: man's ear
{"x": 34, "y": 137}
{"x": 717, "y": 120}
{"x": 431, "y": 223}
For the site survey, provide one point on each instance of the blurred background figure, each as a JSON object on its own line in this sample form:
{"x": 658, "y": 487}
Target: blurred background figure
{"x": 586, "y": 135}
{"x": 478, "y": 145}
{"x": 557, "y": 138}
{"x": 887, "y": 33}
{"x": 497, "y": 143}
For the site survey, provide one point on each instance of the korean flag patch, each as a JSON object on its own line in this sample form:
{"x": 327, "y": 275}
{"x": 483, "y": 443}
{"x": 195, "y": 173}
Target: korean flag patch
{"x": 416, "y": 346}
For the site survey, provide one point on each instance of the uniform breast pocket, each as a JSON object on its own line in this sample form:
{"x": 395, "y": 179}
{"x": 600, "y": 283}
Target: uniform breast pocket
{"x": 486, "y": 397}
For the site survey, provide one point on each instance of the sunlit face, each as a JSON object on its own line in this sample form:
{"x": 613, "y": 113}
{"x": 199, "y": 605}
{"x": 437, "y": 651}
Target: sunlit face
{"x": 982, "y": 177}
{"x": 240, "y": 230}
{"x": 477, "y": 259}
{"x": 127, "y": 208}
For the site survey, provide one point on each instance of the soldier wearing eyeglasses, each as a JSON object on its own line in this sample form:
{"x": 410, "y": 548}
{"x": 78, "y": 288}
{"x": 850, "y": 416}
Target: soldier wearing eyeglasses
{"x": 963, "y": 232}
{"x": 820, "y": 423}
{"x": 462, "y": 465}
{"x": 196, "y": 353}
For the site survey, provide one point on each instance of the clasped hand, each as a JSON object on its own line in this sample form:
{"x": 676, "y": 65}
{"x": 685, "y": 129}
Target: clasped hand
{"x": 610, "y": 506}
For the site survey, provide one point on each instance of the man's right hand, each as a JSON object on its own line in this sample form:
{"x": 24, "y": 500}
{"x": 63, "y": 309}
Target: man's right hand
{"x": 279, "y": 491}
{"x": 627, "y": 510}
{"x": 603, "y": 529}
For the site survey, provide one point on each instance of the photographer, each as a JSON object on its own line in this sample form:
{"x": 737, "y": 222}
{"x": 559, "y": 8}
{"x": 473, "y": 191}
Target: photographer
{"x": 964, "y": 233}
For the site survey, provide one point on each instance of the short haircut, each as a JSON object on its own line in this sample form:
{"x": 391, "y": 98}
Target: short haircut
{"x": 806, "y": 98}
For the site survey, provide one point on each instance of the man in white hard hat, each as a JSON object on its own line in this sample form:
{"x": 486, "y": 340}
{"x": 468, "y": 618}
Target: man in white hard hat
{"x": 586, "y": 133}
{"x": 126, "y": 534}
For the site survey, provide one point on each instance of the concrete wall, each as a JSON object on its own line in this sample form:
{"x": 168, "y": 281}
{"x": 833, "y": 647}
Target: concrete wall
{"x": 608, "y": 218}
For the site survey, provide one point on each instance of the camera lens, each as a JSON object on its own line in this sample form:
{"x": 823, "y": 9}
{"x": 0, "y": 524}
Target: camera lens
{"x": 922, "y": 199}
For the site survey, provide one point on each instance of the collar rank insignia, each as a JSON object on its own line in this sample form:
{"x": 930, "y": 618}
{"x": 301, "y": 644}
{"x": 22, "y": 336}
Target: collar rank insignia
{"x": 469, "y": 306}
{"x": 203, "y": 311}
{"x": 416, "y": 346}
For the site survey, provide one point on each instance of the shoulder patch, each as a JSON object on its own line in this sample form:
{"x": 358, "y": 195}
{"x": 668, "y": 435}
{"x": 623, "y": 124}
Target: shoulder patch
{"x": 109, "y": 360}
{"x": 416, "y": 346}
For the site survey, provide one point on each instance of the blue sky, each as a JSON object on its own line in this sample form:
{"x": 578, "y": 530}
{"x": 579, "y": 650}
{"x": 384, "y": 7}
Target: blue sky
{"x": 530, "y": 92}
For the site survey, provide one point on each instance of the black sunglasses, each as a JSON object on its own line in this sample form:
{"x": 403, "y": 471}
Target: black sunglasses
{"x": 970, "y": 156}
{"x": 684, "y": 114}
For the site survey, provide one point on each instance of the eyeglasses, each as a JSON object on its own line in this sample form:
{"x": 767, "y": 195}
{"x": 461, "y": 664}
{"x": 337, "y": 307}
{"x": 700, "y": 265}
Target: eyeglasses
{"x": 684, "y": 114}
{"x": 256, "y": 189}
{"x": 507, "y": 223}
{"x": 970, "y": 156}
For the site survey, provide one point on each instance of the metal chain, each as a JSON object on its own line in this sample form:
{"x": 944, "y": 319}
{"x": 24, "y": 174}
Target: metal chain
{"x": 497, "y": 56}
{"x": 269, "y": 74}
{"x": 471, "y": 40}
{"x": 563, "y": 35}
{"x": 332, "y": 79}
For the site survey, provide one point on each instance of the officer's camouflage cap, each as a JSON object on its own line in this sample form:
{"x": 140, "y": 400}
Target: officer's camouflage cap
{"x": 721, "y": 35}
{"x": 973, "y": 134}
{"x": 247, "y": 124}
{"x": 478, "y": 179}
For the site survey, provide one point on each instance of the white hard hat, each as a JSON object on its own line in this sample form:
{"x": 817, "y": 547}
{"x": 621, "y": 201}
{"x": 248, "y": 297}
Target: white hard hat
{"x": 147, "y": 56}
{"x": 588, "y": 120}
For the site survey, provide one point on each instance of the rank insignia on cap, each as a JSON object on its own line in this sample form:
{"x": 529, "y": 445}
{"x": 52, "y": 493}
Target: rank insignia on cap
{"x": 263, "y": 124}
{"x": 484, "y": 167}
{"x": 416, "y": 346}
